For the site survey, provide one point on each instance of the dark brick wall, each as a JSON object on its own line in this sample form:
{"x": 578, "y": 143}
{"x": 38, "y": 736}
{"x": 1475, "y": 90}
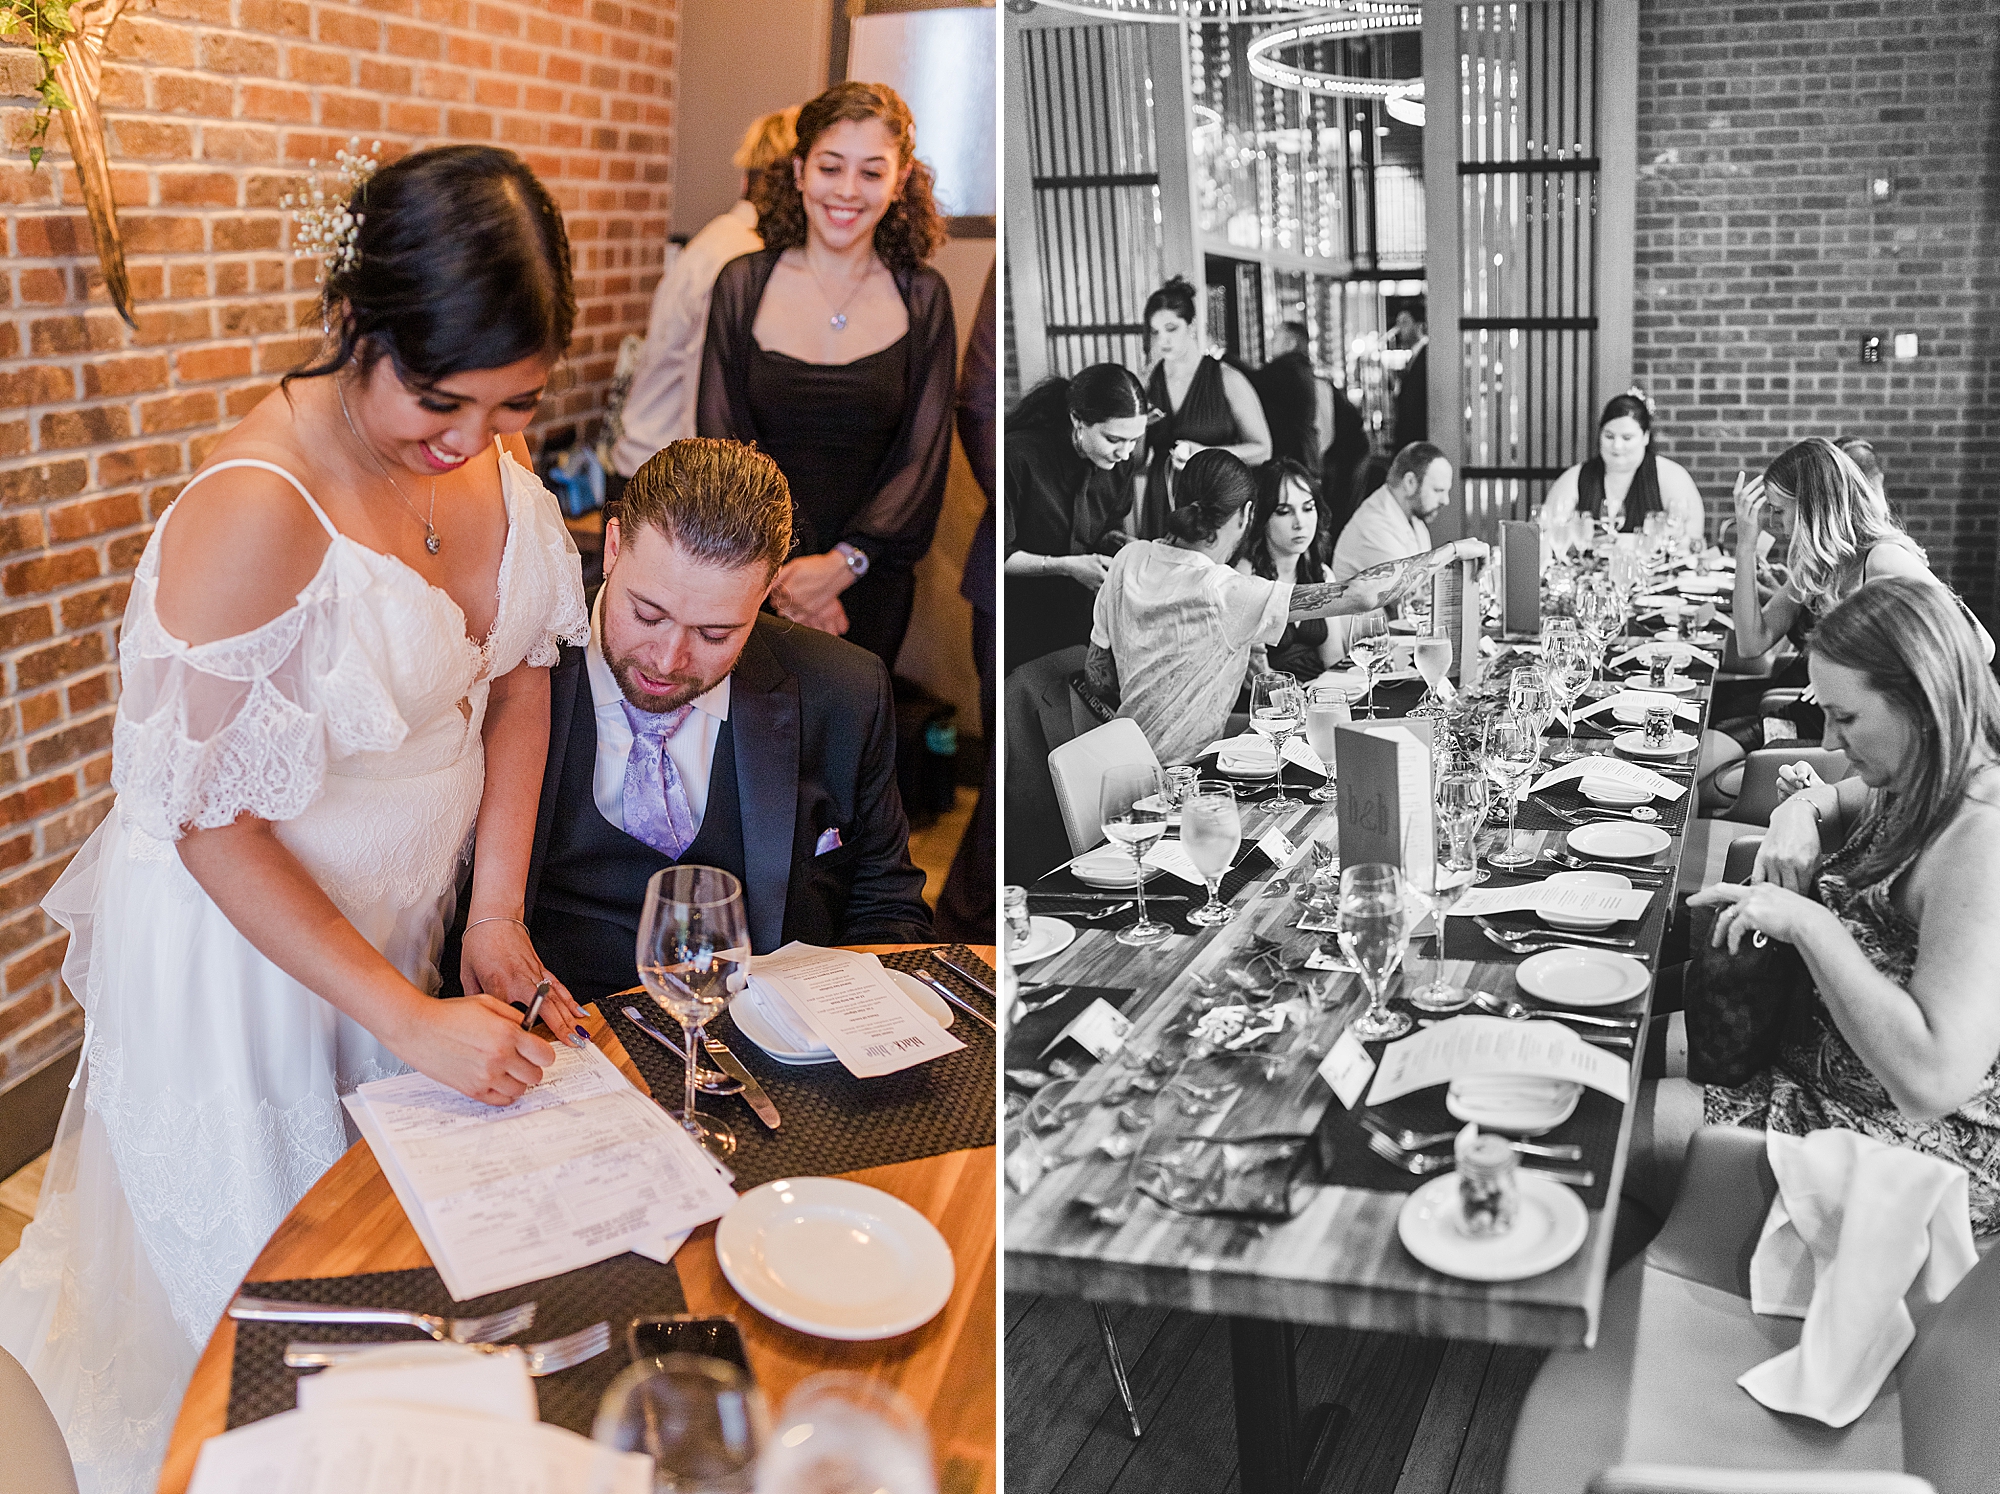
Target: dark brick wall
{"x": 1763, "y": 260}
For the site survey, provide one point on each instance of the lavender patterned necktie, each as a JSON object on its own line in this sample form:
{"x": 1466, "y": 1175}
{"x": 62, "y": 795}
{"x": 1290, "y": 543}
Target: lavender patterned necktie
{"x": 656, "y": 802}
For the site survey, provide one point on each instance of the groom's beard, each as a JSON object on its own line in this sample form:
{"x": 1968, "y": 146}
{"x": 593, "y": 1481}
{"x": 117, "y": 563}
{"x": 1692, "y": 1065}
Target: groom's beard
{"x": 685, "y": 687}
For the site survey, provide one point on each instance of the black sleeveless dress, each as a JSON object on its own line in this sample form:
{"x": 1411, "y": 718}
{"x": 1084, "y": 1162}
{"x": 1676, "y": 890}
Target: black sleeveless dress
{"x": 1204, "y": 417}
{"x": 829, "y": 427}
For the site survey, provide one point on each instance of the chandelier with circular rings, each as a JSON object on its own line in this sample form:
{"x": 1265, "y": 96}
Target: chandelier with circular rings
{"x": 1352, "y": 18}
{"x": 1201, "y": 12}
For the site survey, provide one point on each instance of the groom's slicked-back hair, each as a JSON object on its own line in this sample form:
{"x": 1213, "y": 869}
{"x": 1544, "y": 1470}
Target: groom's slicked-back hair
{"x": 724, "y": 503}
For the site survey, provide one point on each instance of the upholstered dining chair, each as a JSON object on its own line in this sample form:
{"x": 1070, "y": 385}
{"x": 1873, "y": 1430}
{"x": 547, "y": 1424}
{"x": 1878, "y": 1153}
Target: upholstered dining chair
{"x": 1654, "y": 1408}
{"x": 1078, "y": 767}
{"x": 33, "y": 1455}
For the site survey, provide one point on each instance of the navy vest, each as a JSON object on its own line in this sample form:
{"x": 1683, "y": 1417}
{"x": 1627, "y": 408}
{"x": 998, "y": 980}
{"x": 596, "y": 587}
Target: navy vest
{"x": 594, "y": 875}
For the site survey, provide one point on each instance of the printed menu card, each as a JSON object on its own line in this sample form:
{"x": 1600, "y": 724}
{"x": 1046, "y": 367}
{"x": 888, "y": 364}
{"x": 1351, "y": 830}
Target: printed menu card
{"x": 1474, "y": 1047}
{"x": 852, "y": 1006}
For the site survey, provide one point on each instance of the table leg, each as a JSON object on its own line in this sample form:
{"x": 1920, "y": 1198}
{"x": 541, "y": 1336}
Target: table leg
{"x": 1277, "y": 1451}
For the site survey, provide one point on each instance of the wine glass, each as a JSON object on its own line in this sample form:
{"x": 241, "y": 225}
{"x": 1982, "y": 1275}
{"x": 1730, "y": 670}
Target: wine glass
{"x": 1513, "y": 749}
{"x": 1368, "y": 646}
{"x": 700, "y": 1420}
{"x": 1457, "y": 870}
{"x": 1211, "y": 830}
{"x": 1132, "y": 808}
{"x": 1528, "y": 694}
{"x": 1277, "y": 711}
{"x": 844, "y": 1433}
{"x": 1566, "y": 669}
{"x": 694, "y": 954}
{"x": 1372, "y": 916}
{"x": 1433, "y": 660}
{"x": 1326, "y": 710}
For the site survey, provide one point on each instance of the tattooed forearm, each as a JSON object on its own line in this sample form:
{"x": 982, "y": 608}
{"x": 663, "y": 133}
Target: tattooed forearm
{"x": 1100, "y": 670}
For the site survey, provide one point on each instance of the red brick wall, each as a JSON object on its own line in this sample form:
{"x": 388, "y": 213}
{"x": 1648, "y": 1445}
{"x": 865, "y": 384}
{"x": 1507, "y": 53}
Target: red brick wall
{"x": 1762, "y": 259}
{"x": 213, "y": 108}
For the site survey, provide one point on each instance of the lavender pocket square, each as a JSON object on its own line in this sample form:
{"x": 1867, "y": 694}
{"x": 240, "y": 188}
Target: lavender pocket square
{"x": 829, "y": 840}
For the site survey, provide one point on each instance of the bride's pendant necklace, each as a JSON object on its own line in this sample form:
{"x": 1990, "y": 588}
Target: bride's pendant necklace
{"x": 431, "y": 541}
{"x": 838, "y": 321}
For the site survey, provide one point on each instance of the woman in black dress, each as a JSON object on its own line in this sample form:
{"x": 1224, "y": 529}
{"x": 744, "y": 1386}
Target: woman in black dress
{"x": 1071, "y": 446}
{"x": 833, "y": 350}
{"x": 1205, "y": 403}
{"x": 1286, "y": 542}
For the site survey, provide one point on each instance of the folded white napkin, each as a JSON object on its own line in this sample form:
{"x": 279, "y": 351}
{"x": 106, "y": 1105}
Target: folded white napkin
{"x": 449, "y": 1377}
{"x": 784, "y": 1022}
{"x": 1858, "y": 1228}
{"x": 1246, "y": 754}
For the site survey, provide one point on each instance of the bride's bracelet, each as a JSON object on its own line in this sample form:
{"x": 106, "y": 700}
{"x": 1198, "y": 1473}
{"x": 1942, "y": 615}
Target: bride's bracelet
{"x": 496, "y": 918}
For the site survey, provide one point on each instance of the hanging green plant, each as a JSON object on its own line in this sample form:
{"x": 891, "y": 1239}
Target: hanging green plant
{"x": 45, "y": 24}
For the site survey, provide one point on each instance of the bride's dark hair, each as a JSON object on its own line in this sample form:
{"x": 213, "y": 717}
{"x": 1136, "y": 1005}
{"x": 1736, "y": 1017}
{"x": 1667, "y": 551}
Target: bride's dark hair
{"x": 462, "y": 262}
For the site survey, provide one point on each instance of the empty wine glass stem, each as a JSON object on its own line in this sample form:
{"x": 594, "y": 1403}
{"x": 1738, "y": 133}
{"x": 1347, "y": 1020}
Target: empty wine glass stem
{"x": 1139, "y": 869}
{"x": 691, "y": 1036}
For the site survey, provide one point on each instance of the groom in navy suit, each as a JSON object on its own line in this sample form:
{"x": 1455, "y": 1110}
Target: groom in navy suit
{"x": 697, "y": 728}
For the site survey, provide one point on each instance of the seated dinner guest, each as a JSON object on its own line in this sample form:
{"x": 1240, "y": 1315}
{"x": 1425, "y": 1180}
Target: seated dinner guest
{"x": 1627, "y": 480}
{"x": 1886, "y": 883}
{"x": 833, "y": 349}
{"x": 1389, "y": 524}
{"x": 1286, "y": 543}
{"x": 1171, "y": 639}
{"x": 697, "y": 728}
{"x": 333, "y": 668}
{"x": 660, "y": 405}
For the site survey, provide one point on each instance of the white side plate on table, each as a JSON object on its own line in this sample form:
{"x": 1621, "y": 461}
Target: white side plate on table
{"x": 1549, "y": 1226}
{"x": 1109, "y": 869}
{"x": 834, "y": 1258}
{"x": 1617, "y": 840}
{"x": 1634, "y": 744}
{"x": 1581, "y": 977}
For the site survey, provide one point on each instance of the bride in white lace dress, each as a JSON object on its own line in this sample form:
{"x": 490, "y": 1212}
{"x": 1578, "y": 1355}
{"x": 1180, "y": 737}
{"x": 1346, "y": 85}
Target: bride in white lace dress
{"x": 333, "y": 669}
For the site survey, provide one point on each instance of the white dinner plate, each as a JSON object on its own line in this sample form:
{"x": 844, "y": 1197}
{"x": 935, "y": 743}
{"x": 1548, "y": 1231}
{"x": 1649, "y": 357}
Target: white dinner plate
{"x": 1677, "y": 684}
{"x": 834, "y": 1258}
{"x": 1108, "y": 868}
{"x": 786, "y": 1037}
{"x": 1618, "y": 840}
{"x": 1050, "y": 936}
{"x": 1549, "y": 1226}
{"x": 1583, "y": 879}
{"x": 1581, "y": 977}
{"x": 1611, "y": 794}
{"x": 1633, "y": 744}
{"x": 1520, "y": 1107}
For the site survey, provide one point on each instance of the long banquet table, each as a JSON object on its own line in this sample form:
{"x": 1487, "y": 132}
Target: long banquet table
{"x": 350, "y": 1222}
{"x": 1338, "y": 1260}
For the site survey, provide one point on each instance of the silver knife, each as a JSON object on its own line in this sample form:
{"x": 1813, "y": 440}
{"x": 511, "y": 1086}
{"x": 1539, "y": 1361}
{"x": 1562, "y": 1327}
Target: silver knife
{"x": 731, "y": 1065}
{"x": 953, "y": 997}
{"x": 957, "y": 969}
{"x": 638, "y": 1020}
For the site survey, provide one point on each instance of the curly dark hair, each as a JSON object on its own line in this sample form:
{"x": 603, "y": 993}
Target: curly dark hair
{"x": 909, "y": 233}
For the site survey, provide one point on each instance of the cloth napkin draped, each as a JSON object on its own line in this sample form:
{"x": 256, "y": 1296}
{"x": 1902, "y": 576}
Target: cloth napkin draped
{"x": 1859, "y": 1229}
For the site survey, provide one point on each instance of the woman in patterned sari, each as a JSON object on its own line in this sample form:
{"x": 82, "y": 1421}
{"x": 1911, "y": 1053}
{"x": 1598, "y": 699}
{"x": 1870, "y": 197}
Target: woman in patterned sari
{"x": 1886, "y": 883}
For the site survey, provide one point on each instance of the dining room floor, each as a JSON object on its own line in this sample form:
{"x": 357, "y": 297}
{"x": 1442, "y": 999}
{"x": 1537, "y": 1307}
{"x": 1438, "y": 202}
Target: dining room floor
{"x": 1424, "y": 1416}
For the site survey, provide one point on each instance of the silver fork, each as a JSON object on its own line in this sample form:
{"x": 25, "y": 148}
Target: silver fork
{"x": 489, "y": 1329}
{"x": 1421, "y": 1141}
{"x": 1423, "y": 1164}
{"x": 543, "y": 1359}
{"x": 1507, "y": 938}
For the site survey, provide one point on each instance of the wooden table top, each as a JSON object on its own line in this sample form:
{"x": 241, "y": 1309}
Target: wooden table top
{"x": 1338, "y": 1261}
{"x": 350, "y": 1222}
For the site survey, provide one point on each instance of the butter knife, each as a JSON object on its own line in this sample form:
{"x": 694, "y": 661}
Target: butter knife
{"x": 731, "y": 1065}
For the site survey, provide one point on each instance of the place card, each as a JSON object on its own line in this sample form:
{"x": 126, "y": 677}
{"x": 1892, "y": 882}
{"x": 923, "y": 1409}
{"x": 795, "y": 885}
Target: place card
{"x": 855, "y": 1009}
{"x": 1475, "y": 1047}
{"x": 1099, "y": 1029}
{"x": 1387, "y": 812}
{"x": 1575, "y": 900}
{"x": 1610, "y": 769}
{"x": 1277, "y": 845}
{"x": 1346, "y": 1069}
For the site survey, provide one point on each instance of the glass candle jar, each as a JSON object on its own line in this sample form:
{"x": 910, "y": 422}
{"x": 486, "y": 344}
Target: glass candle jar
{"x": 1489, "y": 1186}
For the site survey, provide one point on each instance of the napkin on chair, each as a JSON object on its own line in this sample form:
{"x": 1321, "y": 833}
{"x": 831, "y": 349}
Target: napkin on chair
{"x": 1858, "y": 1228}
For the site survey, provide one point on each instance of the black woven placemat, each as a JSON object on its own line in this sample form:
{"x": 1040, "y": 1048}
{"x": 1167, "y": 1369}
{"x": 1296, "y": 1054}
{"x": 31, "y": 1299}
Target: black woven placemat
{"x": 613, "y": 1291}
{"x": 832, "y": 1122}
{"x": 1168, "y": 899}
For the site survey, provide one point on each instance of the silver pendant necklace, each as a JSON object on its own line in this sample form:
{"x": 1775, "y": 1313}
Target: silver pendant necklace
{"x": 431, "y": 541}
{"x": 838, "y": 321}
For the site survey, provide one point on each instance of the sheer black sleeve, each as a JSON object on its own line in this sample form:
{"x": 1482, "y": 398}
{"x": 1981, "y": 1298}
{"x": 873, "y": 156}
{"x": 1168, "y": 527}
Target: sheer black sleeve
{"x": 897, "y": 523}
{"x": 723, "y": 406}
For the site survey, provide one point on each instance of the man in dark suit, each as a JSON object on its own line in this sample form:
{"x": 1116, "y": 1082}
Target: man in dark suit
{"x": 1290, "y": 394}
{"x": 697, "y": 729}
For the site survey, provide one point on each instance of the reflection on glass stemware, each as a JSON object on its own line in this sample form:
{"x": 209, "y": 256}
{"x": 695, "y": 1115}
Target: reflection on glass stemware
{"x": 1277, "y": 711}
{"x": 694, "y": 954}
{"x": 1373, "y": 918}
{"x": 1211, "y": 830}
{"x": 700, "y": 1420}
{"x": 1513, "y": 751}
{"x": 1133, "y": 809}
{"x": 1327, "y": 709}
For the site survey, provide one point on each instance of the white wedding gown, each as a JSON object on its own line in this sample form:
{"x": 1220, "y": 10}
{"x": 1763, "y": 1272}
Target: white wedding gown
{"x": 208, "y": 1097}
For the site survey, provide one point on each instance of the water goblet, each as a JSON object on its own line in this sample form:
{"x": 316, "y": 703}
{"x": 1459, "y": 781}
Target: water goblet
{"x": 1373, "y": 915}
{"x": 1132, "y": 810}
{"x": 1211, "y": 830}
{"x": 1433, "y": 660}
{"x": 1327, "y": 709}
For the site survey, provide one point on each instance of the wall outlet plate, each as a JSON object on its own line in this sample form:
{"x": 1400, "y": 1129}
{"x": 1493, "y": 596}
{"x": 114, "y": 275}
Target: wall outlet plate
{"x": 1871, "y": 350}
{"x": 1906, "y": 344}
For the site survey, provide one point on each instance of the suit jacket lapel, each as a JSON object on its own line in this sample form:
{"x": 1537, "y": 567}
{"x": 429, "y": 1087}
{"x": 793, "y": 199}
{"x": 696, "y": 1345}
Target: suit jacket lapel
{"x": 764, "y": 711}
{"x": 566, "y": 681}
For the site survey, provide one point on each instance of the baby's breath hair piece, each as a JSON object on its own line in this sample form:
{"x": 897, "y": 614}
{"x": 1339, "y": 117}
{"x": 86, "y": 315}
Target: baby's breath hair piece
{"x": 325, "y": 229}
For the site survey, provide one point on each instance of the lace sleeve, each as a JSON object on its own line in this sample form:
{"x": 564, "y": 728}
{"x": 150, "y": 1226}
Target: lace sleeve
{"x": 244, "y": 725}
{"x": 542, "y": 587}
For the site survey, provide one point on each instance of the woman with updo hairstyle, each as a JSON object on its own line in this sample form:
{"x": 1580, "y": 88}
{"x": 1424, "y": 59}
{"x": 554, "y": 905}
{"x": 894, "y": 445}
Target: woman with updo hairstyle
{"x": 1627, "y": 479}
{"x": 1204, "y": 403}
{"x": 1171, "y": 638}
{"x": 333, "y": 671}
{"x": 1071, "y": 466}
{"x": 1886, "y": 884}
{"x": 833, "y": 350}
